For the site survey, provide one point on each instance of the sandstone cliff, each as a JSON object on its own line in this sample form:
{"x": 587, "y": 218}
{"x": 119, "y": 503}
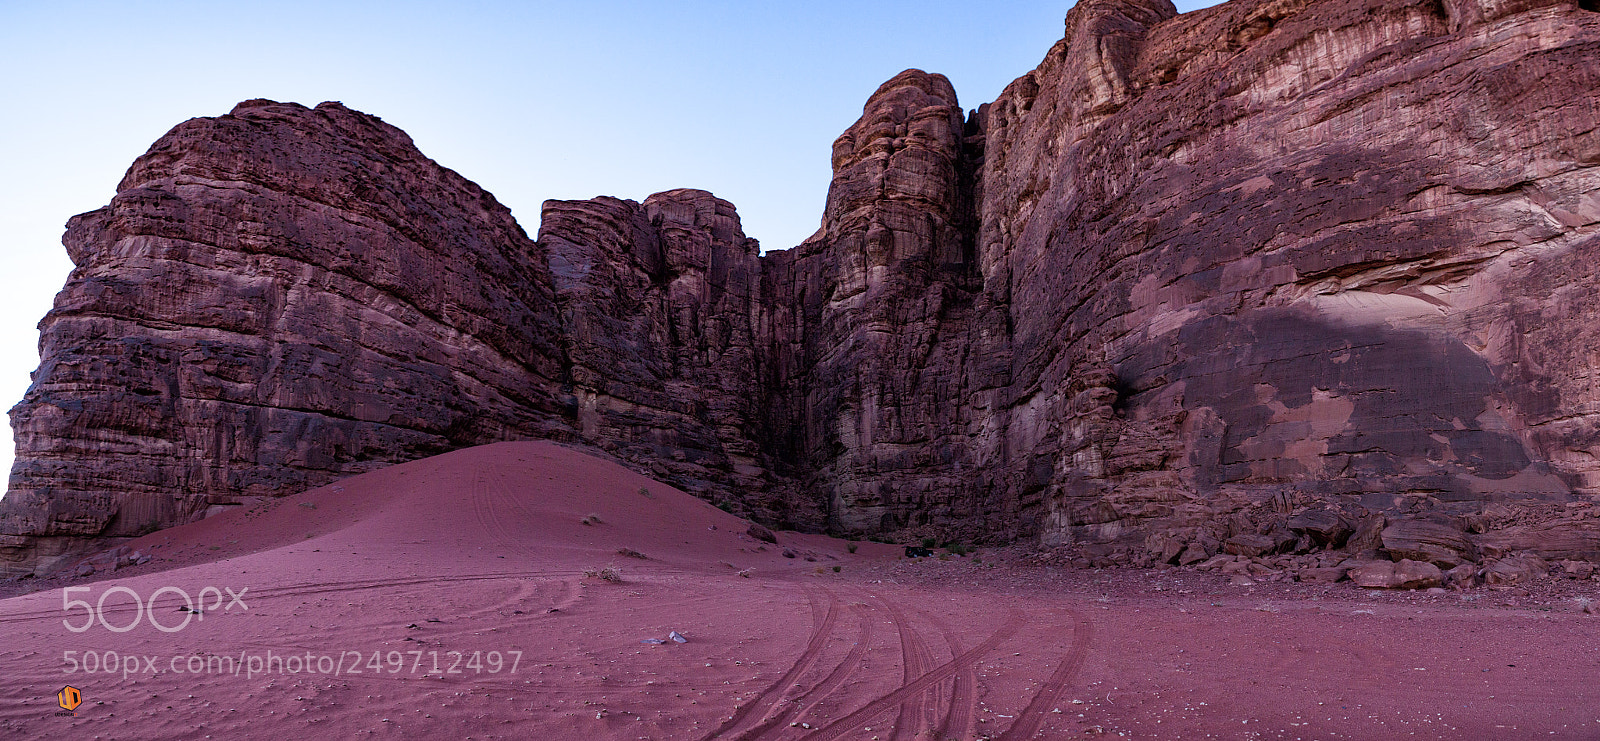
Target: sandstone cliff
{"x": 1272, "y": 275}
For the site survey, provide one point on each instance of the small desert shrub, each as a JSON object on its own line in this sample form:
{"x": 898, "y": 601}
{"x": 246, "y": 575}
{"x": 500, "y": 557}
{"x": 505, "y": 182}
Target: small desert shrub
{"x": 957, "y": 548}
{"x": 745, "y": 573}
{"x": 851, "y": 546}
{"x": 929, "y": 542}
{"x": 725, "y": 507}
{"x": 609, "y": 573}
{"x": 631, "y": 553}
{"x": 591, "y": 519}
{"x": 837, "y": 569}
{"x": 644, "y": 491}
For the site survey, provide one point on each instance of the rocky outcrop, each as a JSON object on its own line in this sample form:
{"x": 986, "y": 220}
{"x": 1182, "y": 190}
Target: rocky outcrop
{"x": 873, "y": 319}
{"x": 1313, "y": 245}
{"x": 665, "y": 334}
{"x": 275, "y": 298}
{"x": 1270, "y": 277}
{"x": 283, "y": 296}
{"x": 1404, "y": 574}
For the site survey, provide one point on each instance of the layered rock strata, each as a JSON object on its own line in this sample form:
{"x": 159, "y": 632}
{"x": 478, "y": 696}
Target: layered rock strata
{"x": 1272, "y": 276}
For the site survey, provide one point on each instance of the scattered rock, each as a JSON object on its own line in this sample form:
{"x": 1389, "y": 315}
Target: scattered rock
{"x": 1578, "y": 569}
{"x": 1368, "y": 535}
{"x": 1406, "y": 574}
{"x": 1463, "y": 576}
{"x": 760, "y": 532}
{"x": 1326, "y": 528}
{"x": 1192, "y": 555}
{"x": 1166, "y": 546}
{"x": 1514, "y": 570}
{"x": 1256, "y": 545}
{"x": 1326, "y": 575}
{"x": 1440, "y": 543}
{"x": 1215, "y": 562}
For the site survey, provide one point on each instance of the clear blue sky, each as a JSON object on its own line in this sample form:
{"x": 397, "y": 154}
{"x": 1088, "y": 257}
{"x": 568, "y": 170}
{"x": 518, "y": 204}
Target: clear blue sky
{"x": 532, "y": 100}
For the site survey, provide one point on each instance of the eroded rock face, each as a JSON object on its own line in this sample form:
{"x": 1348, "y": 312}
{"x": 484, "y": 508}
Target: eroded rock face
{"x": 873, "y": 320}
{"x": 283, "y": 296}
{"x": 666, "y": 335}
{"x": 1319, "y": 251}
{"x": 275, "y": 298}
{"x": 1276, "y": 275}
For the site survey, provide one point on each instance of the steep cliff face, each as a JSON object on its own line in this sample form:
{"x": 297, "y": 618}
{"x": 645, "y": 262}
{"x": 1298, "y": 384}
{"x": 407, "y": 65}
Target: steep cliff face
{"x": 1196, "y": 278}
{"x": 283, "y": 296}
{"x": 665, "y": 332}
{"x": 1323, "y": 252}
{"x": 275, "y": 298}
{"x": 872, "y": 317}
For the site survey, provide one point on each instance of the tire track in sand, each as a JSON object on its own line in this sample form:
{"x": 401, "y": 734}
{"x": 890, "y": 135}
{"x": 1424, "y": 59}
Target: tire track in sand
{"x": 917, "y": 712}
{"x": 872, "y": 709}
{"x": 816, "y": 695}
{"x": 823, "y": 620}
{"x": 486, "y": 495}
{"x": 963, "y": 696}
{"x": 1027, "y": 722}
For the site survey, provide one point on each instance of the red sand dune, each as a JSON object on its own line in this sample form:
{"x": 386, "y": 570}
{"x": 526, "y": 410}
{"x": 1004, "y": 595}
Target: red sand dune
{"x": 447, "y": 598}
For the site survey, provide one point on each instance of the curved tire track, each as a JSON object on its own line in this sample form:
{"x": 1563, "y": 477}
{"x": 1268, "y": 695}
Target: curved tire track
{"x": 1027, "y": 722}
{"x": 823, "y": 621}
{"x": 809, "y": 700}
{"x": 872, "y": 709}
{"x": 963, "y": 696}
{"x": 916, "y": 713}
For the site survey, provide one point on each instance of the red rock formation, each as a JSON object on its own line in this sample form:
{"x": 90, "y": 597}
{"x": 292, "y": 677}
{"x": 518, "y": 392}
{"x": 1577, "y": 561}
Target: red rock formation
{"x": 1251, "y": 275}
{"x": 871, "y": 317}
{"x": 276, "y": 297}
{"x": 660, "y": 306}
{"x": 1311, "y": 248}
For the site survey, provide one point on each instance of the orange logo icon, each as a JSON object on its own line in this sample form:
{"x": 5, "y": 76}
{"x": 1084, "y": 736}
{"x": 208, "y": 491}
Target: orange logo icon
{"x": 69, "y": 697}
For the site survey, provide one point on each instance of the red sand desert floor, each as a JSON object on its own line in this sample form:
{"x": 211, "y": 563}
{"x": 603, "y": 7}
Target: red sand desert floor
{"x": 448, "y": 598}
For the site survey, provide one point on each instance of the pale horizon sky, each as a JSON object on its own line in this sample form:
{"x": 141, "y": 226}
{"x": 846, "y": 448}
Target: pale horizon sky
{"x": 531, "y": 100}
